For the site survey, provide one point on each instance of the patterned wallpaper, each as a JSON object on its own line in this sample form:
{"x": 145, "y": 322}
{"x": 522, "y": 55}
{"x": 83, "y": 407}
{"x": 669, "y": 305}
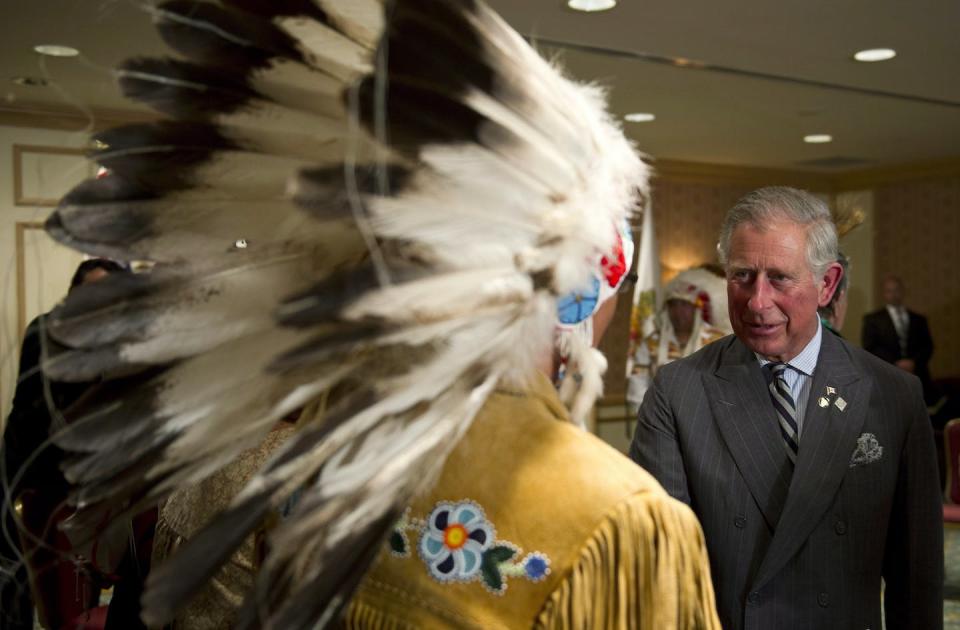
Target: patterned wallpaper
{"x": 687, "y": 219}
{"x": 917, "y": 227}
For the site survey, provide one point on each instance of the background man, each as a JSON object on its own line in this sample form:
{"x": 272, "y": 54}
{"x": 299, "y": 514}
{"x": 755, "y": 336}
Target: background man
{"x": 898, "y": 335}
{"x": 809, "y": 462}
{"x": 691, "y": 317}
{"x": 603, "y": 546}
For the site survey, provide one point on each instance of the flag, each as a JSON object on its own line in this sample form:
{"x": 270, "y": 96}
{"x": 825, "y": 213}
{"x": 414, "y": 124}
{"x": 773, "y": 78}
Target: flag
{"x": 646, "y": 295}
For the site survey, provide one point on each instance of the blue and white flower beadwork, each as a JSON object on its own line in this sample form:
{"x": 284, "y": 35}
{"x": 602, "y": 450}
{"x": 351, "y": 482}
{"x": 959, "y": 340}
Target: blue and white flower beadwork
{"x": 454, "y": 539}
{"x": 459, "y": 544}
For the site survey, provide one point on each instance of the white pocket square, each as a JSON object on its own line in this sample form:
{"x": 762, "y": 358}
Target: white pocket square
{"x": 868, "y": 450}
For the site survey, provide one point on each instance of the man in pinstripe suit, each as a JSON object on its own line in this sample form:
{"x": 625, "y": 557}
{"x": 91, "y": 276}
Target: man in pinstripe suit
{"x": 809, "y": 462}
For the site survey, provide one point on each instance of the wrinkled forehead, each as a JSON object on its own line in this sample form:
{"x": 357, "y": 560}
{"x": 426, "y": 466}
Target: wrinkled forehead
{"x": 781, "y": 244}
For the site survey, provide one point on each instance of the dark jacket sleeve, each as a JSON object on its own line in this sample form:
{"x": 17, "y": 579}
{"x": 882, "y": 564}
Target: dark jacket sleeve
{"x": 922, "y": 348}
{"x": 28, "y": 423}
{"x": 655, "y": 446}
{"x": 913, "y": 559}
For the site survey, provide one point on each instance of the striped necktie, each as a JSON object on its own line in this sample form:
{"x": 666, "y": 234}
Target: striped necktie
{"x": 785, "y": 406}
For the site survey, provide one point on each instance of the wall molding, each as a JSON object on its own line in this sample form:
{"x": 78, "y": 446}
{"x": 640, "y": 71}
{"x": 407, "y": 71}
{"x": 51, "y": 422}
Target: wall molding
{"x": 21, "y": 254}
{"x": 705, "y": 173}
{"x": 18, "y": 152}
{"x": 47, "y": 116}
{"x": 871, "y": 178}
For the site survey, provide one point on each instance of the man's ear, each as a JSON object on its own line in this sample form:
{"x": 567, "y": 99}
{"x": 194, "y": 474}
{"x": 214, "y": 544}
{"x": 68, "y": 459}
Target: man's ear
{"x": 829, "y": 283}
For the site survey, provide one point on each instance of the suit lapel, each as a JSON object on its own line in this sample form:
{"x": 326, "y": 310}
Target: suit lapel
{"x": 827, "y": 441}
{"x": 746, "y": 419}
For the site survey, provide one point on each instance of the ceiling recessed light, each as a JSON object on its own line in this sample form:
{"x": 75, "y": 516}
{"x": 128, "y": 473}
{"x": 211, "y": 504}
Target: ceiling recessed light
{"x": 818, "y": 138}
{"x": 30, "y": 81}
{"x": 591, "y": 5}
{"x": 639, "y": 117}
{"x": 55, "y": 50}
{"x": 875, "y": 54}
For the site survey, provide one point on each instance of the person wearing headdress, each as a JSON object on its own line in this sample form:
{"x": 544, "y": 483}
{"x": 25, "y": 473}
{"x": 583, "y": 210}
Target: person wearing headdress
{"x": 535, "y": 523}
{"x": 692, "y": 315}
{"x": 382, "y": 204}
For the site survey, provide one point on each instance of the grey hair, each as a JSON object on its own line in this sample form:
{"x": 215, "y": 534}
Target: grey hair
{"x": 831, "y": 307}
{"x": 764, "y": 205}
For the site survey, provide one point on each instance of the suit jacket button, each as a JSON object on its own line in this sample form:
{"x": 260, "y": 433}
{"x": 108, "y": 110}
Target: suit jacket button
{"x": 823, "y": 599}
{"x": 840, "y": 527}
{"x": 740, "y": 522}
{"x": 753, "y": 598}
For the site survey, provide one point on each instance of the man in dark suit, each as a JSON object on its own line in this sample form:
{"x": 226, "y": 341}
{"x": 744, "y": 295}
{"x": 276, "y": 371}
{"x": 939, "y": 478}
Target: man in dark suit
{"x": 809, "y": 462}
{"x": 898, "y": 335}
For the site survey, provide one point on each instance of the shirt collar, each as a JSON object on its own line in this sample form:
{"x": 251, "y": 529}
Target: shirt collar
{"x": 806, "y": 361}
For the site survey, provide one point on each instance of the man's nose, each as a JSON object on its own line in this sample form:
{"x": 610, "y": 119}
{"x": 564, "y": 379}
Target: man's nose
{"x": 760, "y": 296}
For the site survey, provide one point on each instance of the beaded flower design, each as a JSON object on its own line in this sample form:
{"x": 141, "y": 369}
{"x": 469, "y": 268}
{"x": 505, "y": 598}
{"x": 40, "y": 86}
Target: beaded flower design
{"x": 458, "y": 544}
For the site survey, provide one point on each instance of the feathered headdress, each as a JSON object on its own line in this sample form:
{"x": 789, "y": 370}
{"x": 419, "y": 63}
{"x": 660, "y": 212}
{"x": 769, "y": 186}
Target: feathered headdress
{"x": 705, "y": 289}
{"x": 376, "y": 201}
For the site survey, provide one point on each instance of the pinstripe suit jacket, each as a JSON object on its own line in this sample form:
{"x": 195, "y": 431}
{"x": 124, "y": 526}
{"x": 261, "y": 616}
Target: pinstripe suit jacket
{"x": 806, "y": 548}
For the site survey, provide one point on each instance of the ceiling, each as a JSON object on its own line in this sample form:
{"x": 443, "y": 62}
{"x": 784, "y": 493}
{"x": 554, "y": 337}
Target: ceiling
{"x": 759, "y": 75}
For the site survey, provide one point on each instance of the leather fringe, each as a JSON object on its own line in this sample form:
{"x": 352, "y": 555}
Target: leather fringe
{"x": 362, "y": 615}
{"x": 645, "y": 567}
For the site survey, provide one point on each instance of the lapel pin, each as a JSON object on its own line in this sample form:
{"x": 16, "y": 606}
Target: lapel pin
{"x": 831, "y": 390}
{"x": 841, "y": 404}
{"x": 824, "y": 402}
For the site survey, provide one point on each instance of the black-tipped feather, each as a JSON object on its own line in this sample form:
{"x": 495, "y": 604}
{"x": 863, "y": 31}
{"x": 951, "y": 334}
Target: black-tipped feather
{"x": 281, "y": 8}
{"x": 161, "y": 156}
{"x": 321, "y": 600}
{"x": 217, "y": 36}
{"x": 353, "y": 337}
{"x": 80, "y": 366}
{"x": 173, "y": 584}
{"x": 325, "y": 300}
{"x": 327, "y": 192}
{"x": 110, "y": 187}
{"x": 193, "y": 565}
{"x": 69, "y": 320}
{"x": 309, "y": 439}
{"x": 184, "y": 90}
